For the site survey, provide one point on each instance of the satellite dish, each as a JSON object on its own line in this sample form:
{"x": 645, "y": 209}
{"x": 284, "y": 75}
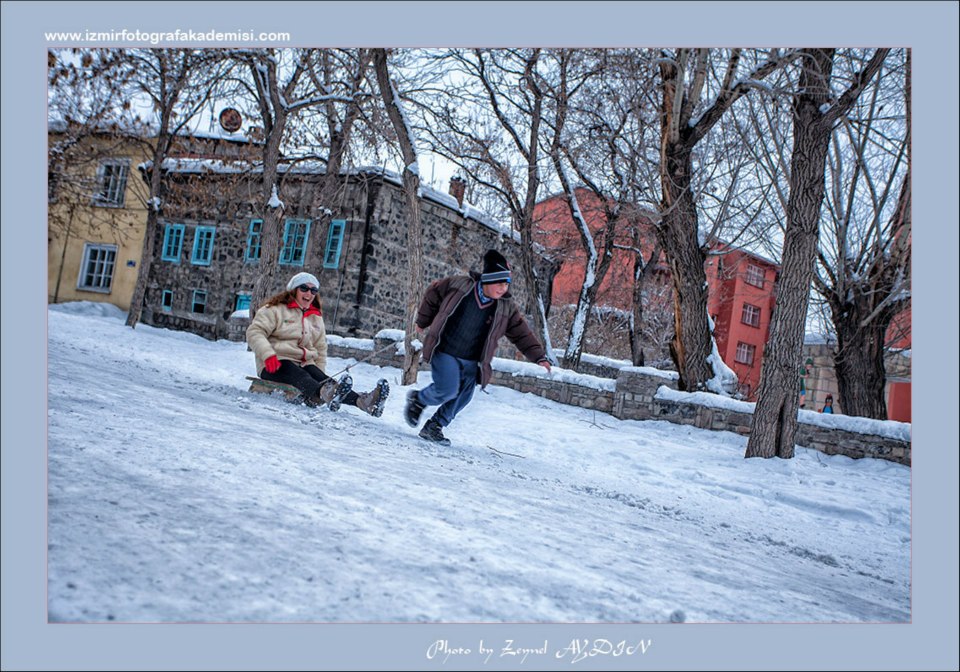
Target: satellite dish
{"x": 231, "y": 120}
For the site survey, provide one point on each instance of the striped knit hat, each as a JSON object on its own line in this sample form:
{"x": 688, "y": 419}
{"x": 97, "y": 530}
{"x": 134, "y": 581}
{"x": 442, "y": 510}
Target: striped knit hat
{"x": 495, "y": 268}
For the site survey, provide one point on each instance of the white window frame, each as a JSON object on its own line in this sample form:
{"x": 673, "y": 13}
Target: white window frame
{"x": 754, "y": 275}
{"x": 750, "y": 315}
{"x": 112, "y": 186}
{"x": 99, "y": 270}
{"x": 746, "y": 353}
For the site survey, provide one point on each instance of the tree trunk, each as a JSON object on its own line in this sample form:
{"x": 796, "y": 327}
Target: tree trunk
{"x": 775, "y": 417}
{"x": 641, "y": 271}
{"x": 678, "y": 235}
{"x": 534, "y": 284}
{"x": 411, "y": 187}
{"x": 270, "y": 239}
{"x": 861, "y": 374}
{"x": 151, "y": 231}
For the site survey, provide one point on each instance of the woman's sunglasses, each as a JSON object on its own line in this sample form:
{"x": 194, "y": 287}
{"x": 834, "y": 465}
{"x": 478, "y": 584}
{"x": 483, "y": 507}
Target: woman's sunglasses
{"x": 308, "y": 288}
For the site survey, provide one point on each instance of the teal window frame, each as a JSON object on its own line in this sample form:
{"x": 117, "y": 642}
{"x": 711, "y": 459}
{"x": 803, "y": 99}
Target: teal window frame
{"x": 203, "y": 245}
{"x": 172, "y": 243}
{"x": 199, "y": 299}
{"x": 243, "y": 302}
{"x": 331, "y": 253}
{"x": 166, "y": 300}
{"x": 296, "y": 232}
{"x": 254, "y": 240}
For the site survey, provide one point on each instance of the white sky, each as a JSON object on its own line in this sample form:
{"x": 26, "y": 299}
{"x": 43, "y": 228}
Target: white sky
{"x": 175, "y": 495}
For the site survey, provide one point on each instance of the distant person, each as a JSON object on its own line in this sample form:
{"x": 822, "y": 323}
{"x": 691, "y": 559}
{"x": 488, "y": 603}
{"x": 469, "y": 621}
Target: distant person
{"x": 465, "y": 316}
{"x": 827, "y": 404}
{"x": 289, "y": 341}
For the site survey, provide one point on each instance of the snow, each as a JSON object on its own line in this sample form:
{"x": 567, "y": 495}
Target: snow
{"x": 275, "y": 201}
{"x": 887, "y": 428}
{"x": 724, "y": 379}
{"x": 175, "y": 495}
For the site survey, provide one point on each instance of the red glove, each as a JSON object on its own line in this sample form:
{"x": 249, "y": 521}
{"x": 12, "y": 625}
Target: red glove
{"x": 272, "y": 364}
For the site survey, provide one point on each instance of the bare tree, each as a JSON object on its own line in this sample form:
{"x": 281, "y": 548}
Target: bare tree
{"x": 411, "y": 187}
{"x": 177, "y": 83}
{"x": 816, "y": 110}
{"x": 343, "y": 76}
{"x": 864, "y": 258}
{"x": 686, "y": 119}
{"x": 89, "y": 123}
{"x": 284, "y": 85}
{"x": 489, "y": 122}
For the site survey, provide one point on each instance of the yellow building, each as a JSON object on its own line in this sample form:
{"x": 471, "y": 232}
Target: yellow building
{"x": 96, "y": 216}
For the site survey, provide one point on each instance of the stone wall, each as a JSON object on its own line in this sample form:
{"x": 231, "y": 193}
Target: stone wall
{"x": 641, "y": 393}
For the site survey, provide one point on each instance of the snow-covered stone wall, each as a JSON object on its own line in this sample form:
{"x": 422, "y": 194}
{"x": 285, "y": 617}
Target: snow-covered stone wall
{"x": 641, "y": 393}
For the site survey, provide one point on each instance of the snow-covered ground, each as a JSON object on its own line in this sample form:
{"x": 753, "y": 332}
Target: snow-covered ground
{"x": 175, "y": 495}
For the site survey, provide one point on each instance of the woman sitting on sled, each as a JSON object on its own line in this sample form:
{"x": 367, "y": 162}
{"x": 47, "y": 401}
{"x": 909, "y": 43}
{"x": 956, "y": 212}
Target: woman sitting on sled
{"x": 290, "y": 343}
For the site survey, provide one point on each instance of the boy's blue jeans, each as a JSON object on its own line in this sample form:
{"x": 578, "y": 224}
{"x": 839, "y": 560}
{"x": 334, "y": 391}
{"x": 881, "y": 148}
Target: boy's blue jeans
{"x": 452, "y": 389}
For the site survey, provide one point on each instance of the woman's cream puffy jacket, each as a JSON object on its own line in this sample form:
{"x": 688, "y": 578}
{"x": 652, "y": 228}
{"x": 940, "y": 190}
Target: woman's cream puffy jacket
{"x": 289, "y": 333}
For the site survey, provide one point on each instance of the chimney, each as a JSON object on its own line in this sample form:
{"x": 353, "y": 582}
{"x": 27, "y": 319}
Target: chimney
{"x": 457, "y": 187}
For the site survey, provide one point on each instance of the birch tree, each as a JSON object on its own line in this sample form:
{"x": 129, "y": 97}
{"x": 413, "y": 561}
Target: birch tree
{"x": 816, "y": 109}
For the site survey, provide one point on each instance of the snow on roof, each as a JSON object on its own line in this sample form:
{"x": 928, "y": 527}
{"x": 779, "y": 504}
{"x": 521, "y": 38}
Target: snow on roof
{"x": 200, "y": 166}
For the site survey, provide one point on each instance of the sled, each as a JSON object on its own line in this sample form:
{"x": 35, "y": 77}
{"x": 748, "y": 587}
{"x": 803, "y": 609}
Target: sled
{"x": 269, "y": 387}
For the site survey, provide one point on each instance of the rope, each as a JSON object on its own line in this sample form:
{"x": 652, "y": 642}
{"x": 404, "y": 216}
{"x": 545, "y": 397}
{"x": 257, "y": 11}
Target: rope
{"x": 370, "y": 356}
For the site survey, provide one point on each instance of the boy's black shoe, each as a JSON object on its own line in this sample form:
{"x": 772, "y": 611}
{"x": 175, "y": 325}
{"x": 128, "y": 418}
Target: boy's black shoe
{"x": 432, "y": 431}
{"x": 413, "y": 409}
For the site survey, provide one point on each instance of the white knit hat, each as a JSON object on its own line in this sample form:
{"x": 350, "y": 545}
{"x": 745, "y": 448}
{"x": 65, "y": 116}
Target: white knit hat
{"x": 303, "y": 279}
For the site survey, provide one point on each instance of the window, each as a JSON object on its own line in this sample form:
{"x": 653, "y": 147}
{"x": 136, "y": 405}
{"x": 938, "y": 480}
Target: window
{"x": 166, "y": 300}
{"x": 111, "y": 182}
{"x": 331, "y": 255}
{"x": 203, "y": 245}
{"x": 295, "y": 234}
{"x": 750, "y": 315}
{"x": 243, "y": 302}
{"x": 745, "y": 353}
{"x": 172, "y": 243}
{"x": 96, "y": 271}
{"x": 199, "y": 300}
{"x": 253, "y": 240}
{"x": 754, "y": 275}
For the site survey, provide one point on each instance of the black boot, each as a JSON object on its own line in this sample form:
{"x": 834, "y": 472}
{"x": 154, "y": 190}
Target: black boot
{"x": 432, "y": 431}
{"x": 413, "y": 409}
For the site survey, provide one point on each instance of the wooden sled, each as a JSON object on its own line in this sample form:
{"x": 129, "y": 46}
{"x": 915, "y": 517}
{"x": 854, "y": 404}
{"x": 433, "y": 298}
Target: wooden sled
{"x": 269, "y": 387}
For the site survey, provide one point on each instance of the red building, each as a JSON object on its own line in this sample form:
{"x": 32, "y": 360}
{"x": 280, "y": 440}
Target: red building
{"x": 741, "y": 295}
{"x": 741, "y": 285}
{"x": 898, "y": 368}
{"x": 554, "y": 229}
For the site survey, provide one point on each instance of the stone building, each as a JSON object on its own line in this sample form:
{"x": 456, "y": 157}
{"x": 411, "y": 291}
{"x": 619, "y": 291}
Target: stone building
{"x": 208, "y": 246}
